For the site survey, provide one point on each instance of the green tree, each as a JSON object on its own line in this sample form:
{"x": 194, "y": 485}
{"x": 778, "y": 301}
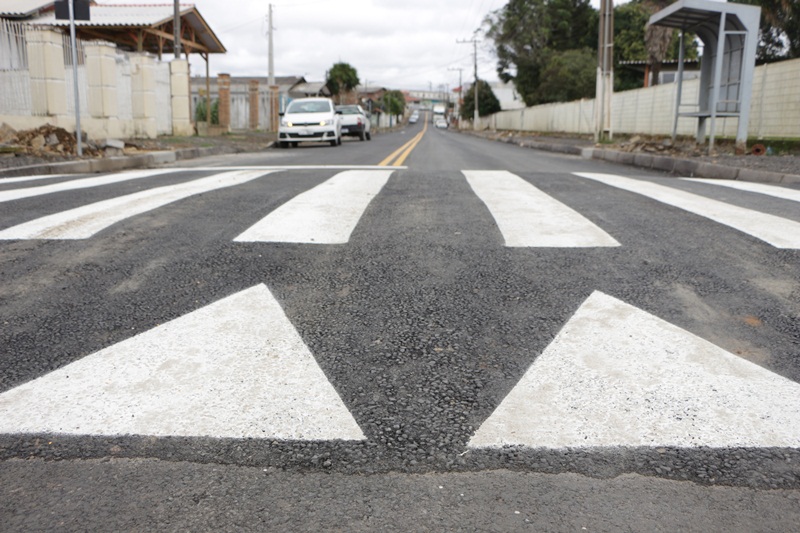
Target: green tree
{"x": 200, "y": 111}
{"x": 779, "y": 34}
{"x": 341, "y": 79}
{"x": 630, "y": 21}
{"x": 568, "y": 75}
{"x": 524, "y": 33}
{"x": 487, "y": 101}
{"x": 393, "y": 103}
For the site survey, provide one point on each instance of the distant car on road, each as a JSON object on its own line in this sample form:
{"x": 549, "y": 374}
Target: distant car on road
{"x": 355, "y": 122}
{"x": 413, "y": 118}
{"x": 310, "y": 119}
{"x": 440, "y": 123}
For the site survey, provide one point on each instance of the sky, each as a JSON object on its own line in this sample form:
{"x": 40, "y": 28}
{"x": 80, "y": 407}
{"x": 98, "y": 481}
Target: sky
{"x": 397, "y": 44}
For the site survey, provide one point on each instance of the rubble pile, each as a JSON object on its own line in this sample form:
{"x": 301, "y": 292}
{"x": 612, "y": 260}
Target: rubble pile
{"x": 44, "y": 141}
{"x": 639, "y": 143}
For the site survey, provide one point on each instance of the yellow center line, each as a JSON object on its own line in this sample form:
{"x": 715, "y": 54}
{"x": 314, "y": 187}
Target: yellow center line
{"x": 403, "y": 152}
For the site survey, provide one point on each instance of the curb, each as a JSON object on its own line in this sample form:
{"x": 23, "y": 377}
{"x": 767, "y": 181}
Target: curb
{"x": 674, "y": 165}
{"x": 114, "y": 164}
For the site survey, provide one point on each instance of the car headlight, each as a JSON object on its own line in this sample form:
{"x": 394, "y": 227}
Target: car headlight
{"x": 326, "y": 122}
{"x": 286, "y": 123}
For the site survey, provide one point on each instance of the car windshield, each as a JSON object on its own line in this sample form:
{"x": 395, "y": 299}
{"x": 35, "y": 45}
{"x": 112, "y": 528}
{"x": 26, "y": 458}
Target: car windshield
{"x": 317, "y": 106}
{"x": 348, "y": 110}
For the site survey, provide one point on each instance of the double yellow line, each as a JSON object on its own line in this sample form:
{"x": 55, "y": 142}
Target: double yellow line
{"x": 402, "y": 153}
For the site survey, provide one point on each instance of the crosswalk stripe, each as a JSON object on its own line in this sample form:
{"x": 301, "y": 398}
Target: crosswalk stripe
{"x": 618, "y": 376}
{"x": 234, "y": 369}
{"x": 4, "y": 181}
{"x": 528, "y": 217}
{"x": 760, "y": 188}
{"x": 777, "y": 231}
{"x": 85, "y": 221}
{"x": 326, "y": 214}
{"x": 84, "y": 183}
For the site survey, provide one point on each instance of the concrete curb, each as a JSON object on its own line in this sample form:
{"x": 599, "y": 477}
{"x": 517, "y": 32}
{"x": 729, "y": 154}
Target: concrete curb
{"x": 115, "y": 164}
{"x": 674, "y": 165}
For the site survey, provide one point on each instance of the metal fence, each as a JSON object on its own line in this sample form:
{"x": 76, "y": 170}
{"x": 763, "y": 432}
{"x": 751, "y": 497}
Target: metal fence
{"x": 15, "y": 80}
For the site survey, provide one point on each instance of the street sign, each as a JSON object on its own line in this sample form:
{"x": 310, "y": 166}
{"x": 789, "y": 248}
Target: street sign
{"x": 81, "y": 8}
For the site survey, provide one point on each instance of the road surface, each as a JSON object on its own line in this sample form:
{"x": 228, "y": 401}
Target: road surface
{"x": 426, "y": 331}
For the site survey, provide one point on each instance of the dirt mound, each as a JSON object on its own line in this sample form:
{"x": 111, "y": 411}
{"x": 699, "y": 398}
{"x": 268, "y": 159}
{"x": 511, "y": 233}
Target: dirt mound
{"x": 44, "y": 141}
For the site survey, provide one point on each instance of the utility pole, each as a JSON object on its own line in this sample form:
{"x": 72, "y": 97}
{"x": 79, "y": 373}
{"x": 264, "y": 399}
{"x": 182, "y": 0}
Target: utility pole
{"x": 274, "y": 95}
{"x": 605, "y": 71}
{"x": 74, "y": 45}
{"x": 271, "y": 53}
{"x": 474, "y": 42}
{"x": 176, "y": 26}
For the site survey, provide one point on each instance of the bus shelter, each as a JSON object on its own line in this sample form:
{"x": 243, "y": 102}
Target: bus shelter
{"x": 729, "y": 33}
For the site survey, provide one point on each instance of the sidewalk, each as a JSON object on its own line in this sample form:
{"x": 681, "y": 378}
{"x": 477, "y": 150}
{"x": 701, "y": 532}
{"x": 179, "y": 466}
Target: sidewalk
{"x": 764, "y": 169}
{"x": 142, "y": 153}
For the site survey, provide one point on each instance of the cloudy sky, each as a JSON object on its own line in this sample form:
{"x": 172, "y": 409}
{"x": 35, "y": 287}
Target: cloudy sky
{"x": 399, "y": 44}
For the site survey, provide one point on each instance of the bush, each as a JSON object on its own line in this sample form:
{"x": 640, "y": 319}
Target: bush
{"x": 200, "y": 111}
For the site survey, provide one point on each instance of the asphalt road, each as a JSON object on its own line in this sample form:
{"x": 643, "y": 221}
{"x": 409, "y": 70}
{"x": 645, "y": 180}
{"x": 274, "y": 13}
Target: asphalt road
{"x": 302, "y": 340}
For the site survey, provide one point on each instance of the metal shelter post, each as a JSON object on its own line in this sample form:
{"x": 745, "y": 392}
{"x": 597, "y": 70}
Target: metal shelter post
{"x": 718, "y": 61}
{"x": 679, "y": 97}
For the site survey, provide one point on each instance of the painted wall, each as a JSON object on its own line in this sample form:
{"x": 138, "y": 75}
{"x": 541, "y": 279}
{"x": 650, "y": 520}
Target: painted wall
{"x": 774, "y": 112}
{"x": 121, "y": 95}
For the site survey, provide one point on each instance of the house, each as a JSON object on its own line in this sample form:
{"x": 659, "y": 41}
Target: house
{"x": 669, "y": 70}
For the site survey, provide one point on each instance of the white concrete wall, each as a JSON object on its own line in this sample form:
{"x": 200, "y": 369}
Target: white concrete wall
{"x": 163, "y": 97}
{"x": 179, "y": 89}
{"x": 774, "y": 111}
{"x": 121, "y": 95}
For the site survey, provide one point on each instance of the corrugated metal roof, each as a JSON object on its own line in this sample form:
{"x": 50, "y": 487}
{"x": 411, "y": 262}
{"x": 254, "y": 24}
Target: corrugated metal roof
{"x": 109, "y": 17}
{"x": 121, "y": 15}
{"x": 22, "y": 8}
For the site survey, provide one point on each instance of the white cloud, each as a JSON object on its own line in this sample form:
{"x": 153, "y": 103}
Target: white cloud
{"x": 398, "y": 44}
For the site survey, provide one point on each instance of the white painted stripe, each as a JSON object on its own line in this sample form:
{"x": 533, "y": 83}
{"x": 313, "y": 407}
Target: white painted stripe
{"x": 30, "y": 178}
{"x": 761, "y": 188}
{"x": 618, "y": 376}
{"x": 236, "y": 368}
{"x": 84, "y": 183}
{"x": 777, "y": 231}
{"x": 528, "y": 217}
{"x": 298, "y": 167}
{"x": 85, "y": 221}
{"x": 326, "y": 214}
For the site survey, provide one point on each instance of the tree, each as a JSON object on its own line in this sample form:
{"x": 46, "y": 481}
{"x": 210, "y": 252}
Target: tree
{"x": 779, "y": 34}
{"x": 568, "y": 75}
{"x": 200, "y": 111}
{"x": 393, "y": 103}
{"x": 657, "y": 38}
{"x": 630, "y": 21}
{"x": 341, "y": 79}
{"x": 526, "y": 31}
{"x": 487, "y": 101}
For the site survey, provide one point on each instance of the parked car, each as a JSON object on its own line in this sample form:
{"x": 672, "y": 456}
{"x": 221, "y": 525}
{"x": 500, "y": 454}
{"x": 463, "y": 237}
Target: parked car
{"x": 355, "y": 122}
{"x": 440, "y": 123}
{"x": 310, "y": 119}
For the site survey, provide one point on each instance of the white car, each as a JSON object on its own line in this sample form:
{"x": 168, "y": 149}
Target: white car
{"x": 310, "y": 119}
{"x": 355, "y": 121}
{"x": 440, "y": 123}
